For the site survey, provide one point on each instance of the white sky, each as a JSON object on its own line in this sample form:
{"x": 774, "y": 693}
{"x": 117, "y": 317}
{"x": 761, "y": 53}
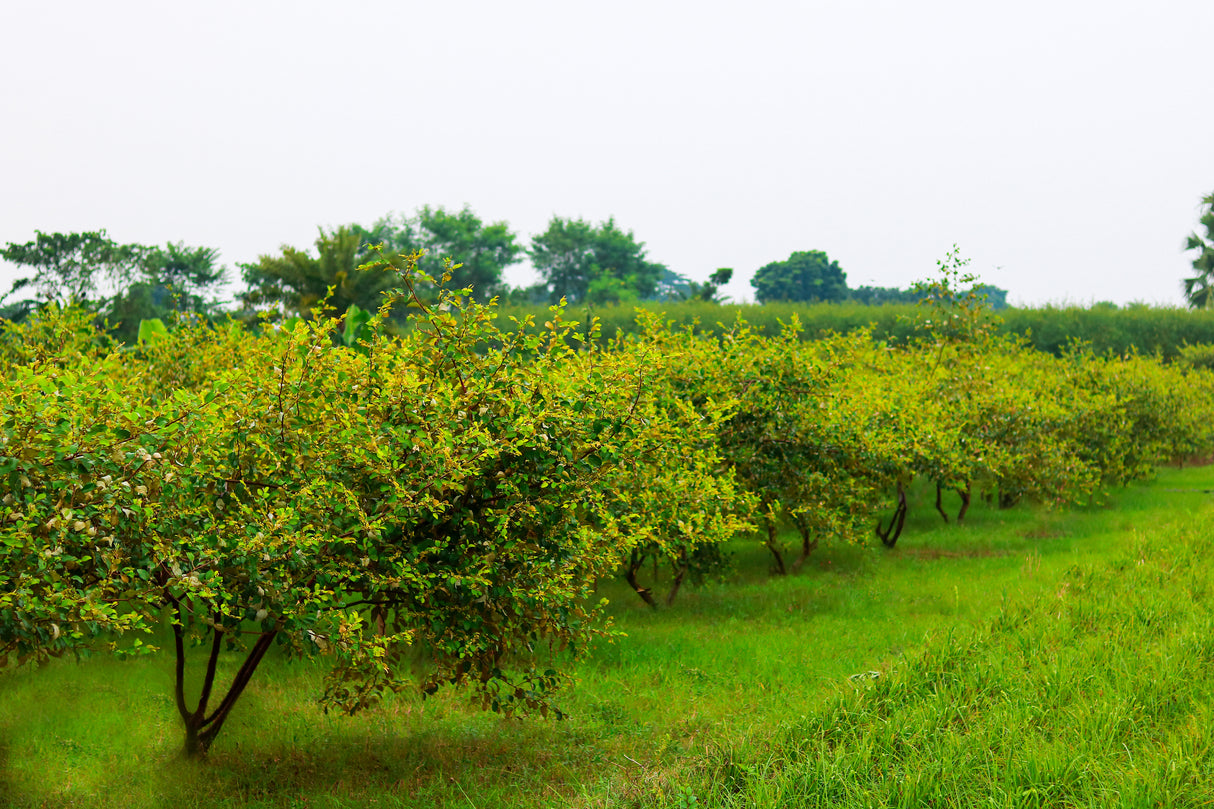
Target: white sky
{"x": 1064, "y": 145}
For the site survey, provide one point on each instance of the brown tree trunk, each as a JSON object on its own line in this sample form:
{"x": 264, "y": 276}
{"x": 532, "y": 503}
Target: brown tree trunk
{"x": 889, "y": 536}
{"x": 807, "y": 546}
{"x": 771, "y": 545}
{"x": 630, "y": 575}
{"x": 679, "y": 573}
{"x": 939, "y": 505}
{"x": 965, "y": 502}
{"x": 200, "y": 728}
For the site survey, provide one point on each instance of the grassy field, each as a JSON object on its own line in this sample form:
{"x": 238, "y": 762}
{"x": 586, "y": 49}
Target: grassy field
{"x": 1028, "y": 658}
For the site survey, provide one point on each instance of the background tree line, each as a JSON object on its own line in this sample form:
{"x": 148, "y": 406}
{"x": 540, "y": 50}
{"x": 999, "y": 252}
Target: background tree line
{"x": 577, "y": 260}
{"x": 123, "y": 283}
{"x": 582, "y": 262}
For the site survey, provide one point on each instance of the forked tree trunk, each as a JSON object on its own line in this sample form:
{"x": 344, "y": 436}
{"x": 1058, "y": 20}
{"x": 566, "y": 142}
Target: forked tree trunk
{"x": 630, "y": 575}
{"x": 807, "y": 546}
{"x": 770, "y": 525}
{"x": 889, "y": 536}
{"x": 201, "y": 728}
{"x": 965, "y": 502}
{"x": 939, "y": 505}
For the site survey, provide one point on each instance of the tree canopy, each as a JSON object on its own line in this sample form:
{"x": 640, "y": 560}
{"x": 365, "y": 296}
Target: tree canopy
{"x": 1199, "y": 289}
{"x": 481, "y": 251}
{"x": 458, "y": 489}
{"x": 72, "y": 266}
{"x": 299, "y": 280}
{"x": 122, "y": 283}
{"x": 582, "y": 262}
{"x": 804, "y": 276}
{"x": 172, "y": 279}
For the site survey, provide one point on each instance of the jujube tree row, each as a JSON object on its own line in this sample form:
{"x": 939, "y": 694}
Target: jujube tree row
{"x": 432, "y": 500}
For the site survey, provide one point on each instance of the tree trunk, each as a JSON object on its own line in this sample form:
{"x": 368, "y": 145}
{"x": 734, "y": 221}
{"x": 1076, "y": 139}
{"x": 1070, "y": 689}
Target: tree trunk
{"x": 771, "y": 545}
{"x": 807, "y": 547}
{"x": 630, "y": 575}
{"x": 939, "y": 505}
{"x": 965, "y": 502}
{"x": 201, "y": 729}
{"x": 889, "y": 536}
{"x": 680, "y": 572}
{"x": 1007, "y": 499}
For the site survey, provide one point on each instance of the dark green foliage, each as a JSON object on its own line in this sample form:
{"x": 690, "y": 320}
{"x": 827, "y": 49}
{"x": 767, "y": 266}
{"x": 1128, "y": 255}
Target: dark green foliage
{"x": 805, "y": 276}
{"x": 996, "y": 297}
{"x": 1137, "y": 327}
{"x": 143, "y": 282}
{"x": 174, "y": 280}
{"x": 888, "y": 322}
{"x": 1198, "y": 290}
{"x": 675, "y": 286}
{"x": 1105, "y": 328}
{"x": 584, "y": 263}
{"x": 480, "y": 251}
{"x": 71, "y": 266}
{"x": 710, "y": 290}
{"x": 298, "y": 280}
{"x": 879, "y": 296}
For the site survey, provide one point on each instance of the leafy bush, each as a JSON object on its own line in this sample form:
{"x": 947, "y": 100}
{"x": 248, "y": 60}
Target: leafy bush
{"x": 435, "y": 501}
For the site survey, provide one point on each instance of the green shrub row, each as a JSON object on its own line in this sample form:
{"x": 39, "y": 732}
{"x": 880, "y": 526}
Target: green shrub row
{"x": 435, "y": 507}
{"x": 1105, "y": 328}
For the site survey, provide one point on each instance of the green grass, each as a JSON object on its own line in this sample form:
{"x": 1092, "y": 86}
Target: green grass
{"x": 1007, "y": 678}
{"x": 1097, "y": 694}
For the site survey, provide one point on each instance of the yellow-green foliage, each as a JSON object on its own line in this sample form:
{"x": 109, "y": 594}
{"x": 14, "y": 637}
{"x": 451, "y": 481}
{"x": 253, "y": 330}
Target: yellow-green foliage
{"x": 1197, "y": 356}
{"x": 436, "y": 507}
{"x": 446, "y": 491}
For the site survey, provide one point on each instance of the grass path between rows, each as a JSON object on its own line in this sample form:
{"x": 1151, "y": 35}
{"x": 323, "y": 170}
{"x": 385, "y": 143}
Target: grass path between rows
{"x": 1031, "y": 634}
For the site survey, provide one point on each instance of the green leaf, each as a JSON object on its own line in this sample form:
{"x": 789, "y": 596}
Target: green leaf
{"x": 151, "y": 330}
{"x": 355, "y": 325}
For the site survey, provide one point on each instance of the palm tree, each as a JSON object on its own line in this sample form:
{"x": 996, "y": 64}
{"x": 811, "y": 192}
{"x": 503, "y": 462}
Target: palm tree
{"x": 299, "y": 280}
{"x": 1199, "y": 290}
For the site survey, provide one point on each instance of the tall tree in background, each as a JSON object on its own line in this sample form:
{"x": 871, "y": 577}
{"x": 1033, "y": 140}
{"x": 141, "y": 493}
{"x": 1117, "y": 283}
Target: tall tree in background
{"x": 172, "y": 280}
{"x": 1199, "y": 290}
{"x": 71, "y": 266}
{"x": 804, "y": 276}
{"x": 482, "y": 250}
{"x": 299, "y": 280}
{"x": 123, "y": 283}
{"x": 673, "y": 286}
{"x": 582, "y": 262}
{"x": 710, "y": 290}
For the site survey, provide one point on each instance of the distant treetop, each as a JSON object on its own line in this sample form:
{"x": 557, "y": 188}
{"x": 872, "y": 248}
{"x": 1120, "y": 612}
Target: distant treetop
{"x": 803, "y": 276}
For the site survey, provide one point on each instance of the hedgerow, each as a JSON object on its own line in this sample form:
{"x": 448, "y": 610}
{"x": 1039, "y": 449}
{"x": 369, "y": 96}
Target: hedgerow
{"x": 435, "y": 507}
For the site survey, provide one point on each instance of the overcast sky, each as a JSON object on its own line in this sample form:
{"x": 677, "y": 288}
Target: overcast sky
{"x": 1064, "y": 145}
